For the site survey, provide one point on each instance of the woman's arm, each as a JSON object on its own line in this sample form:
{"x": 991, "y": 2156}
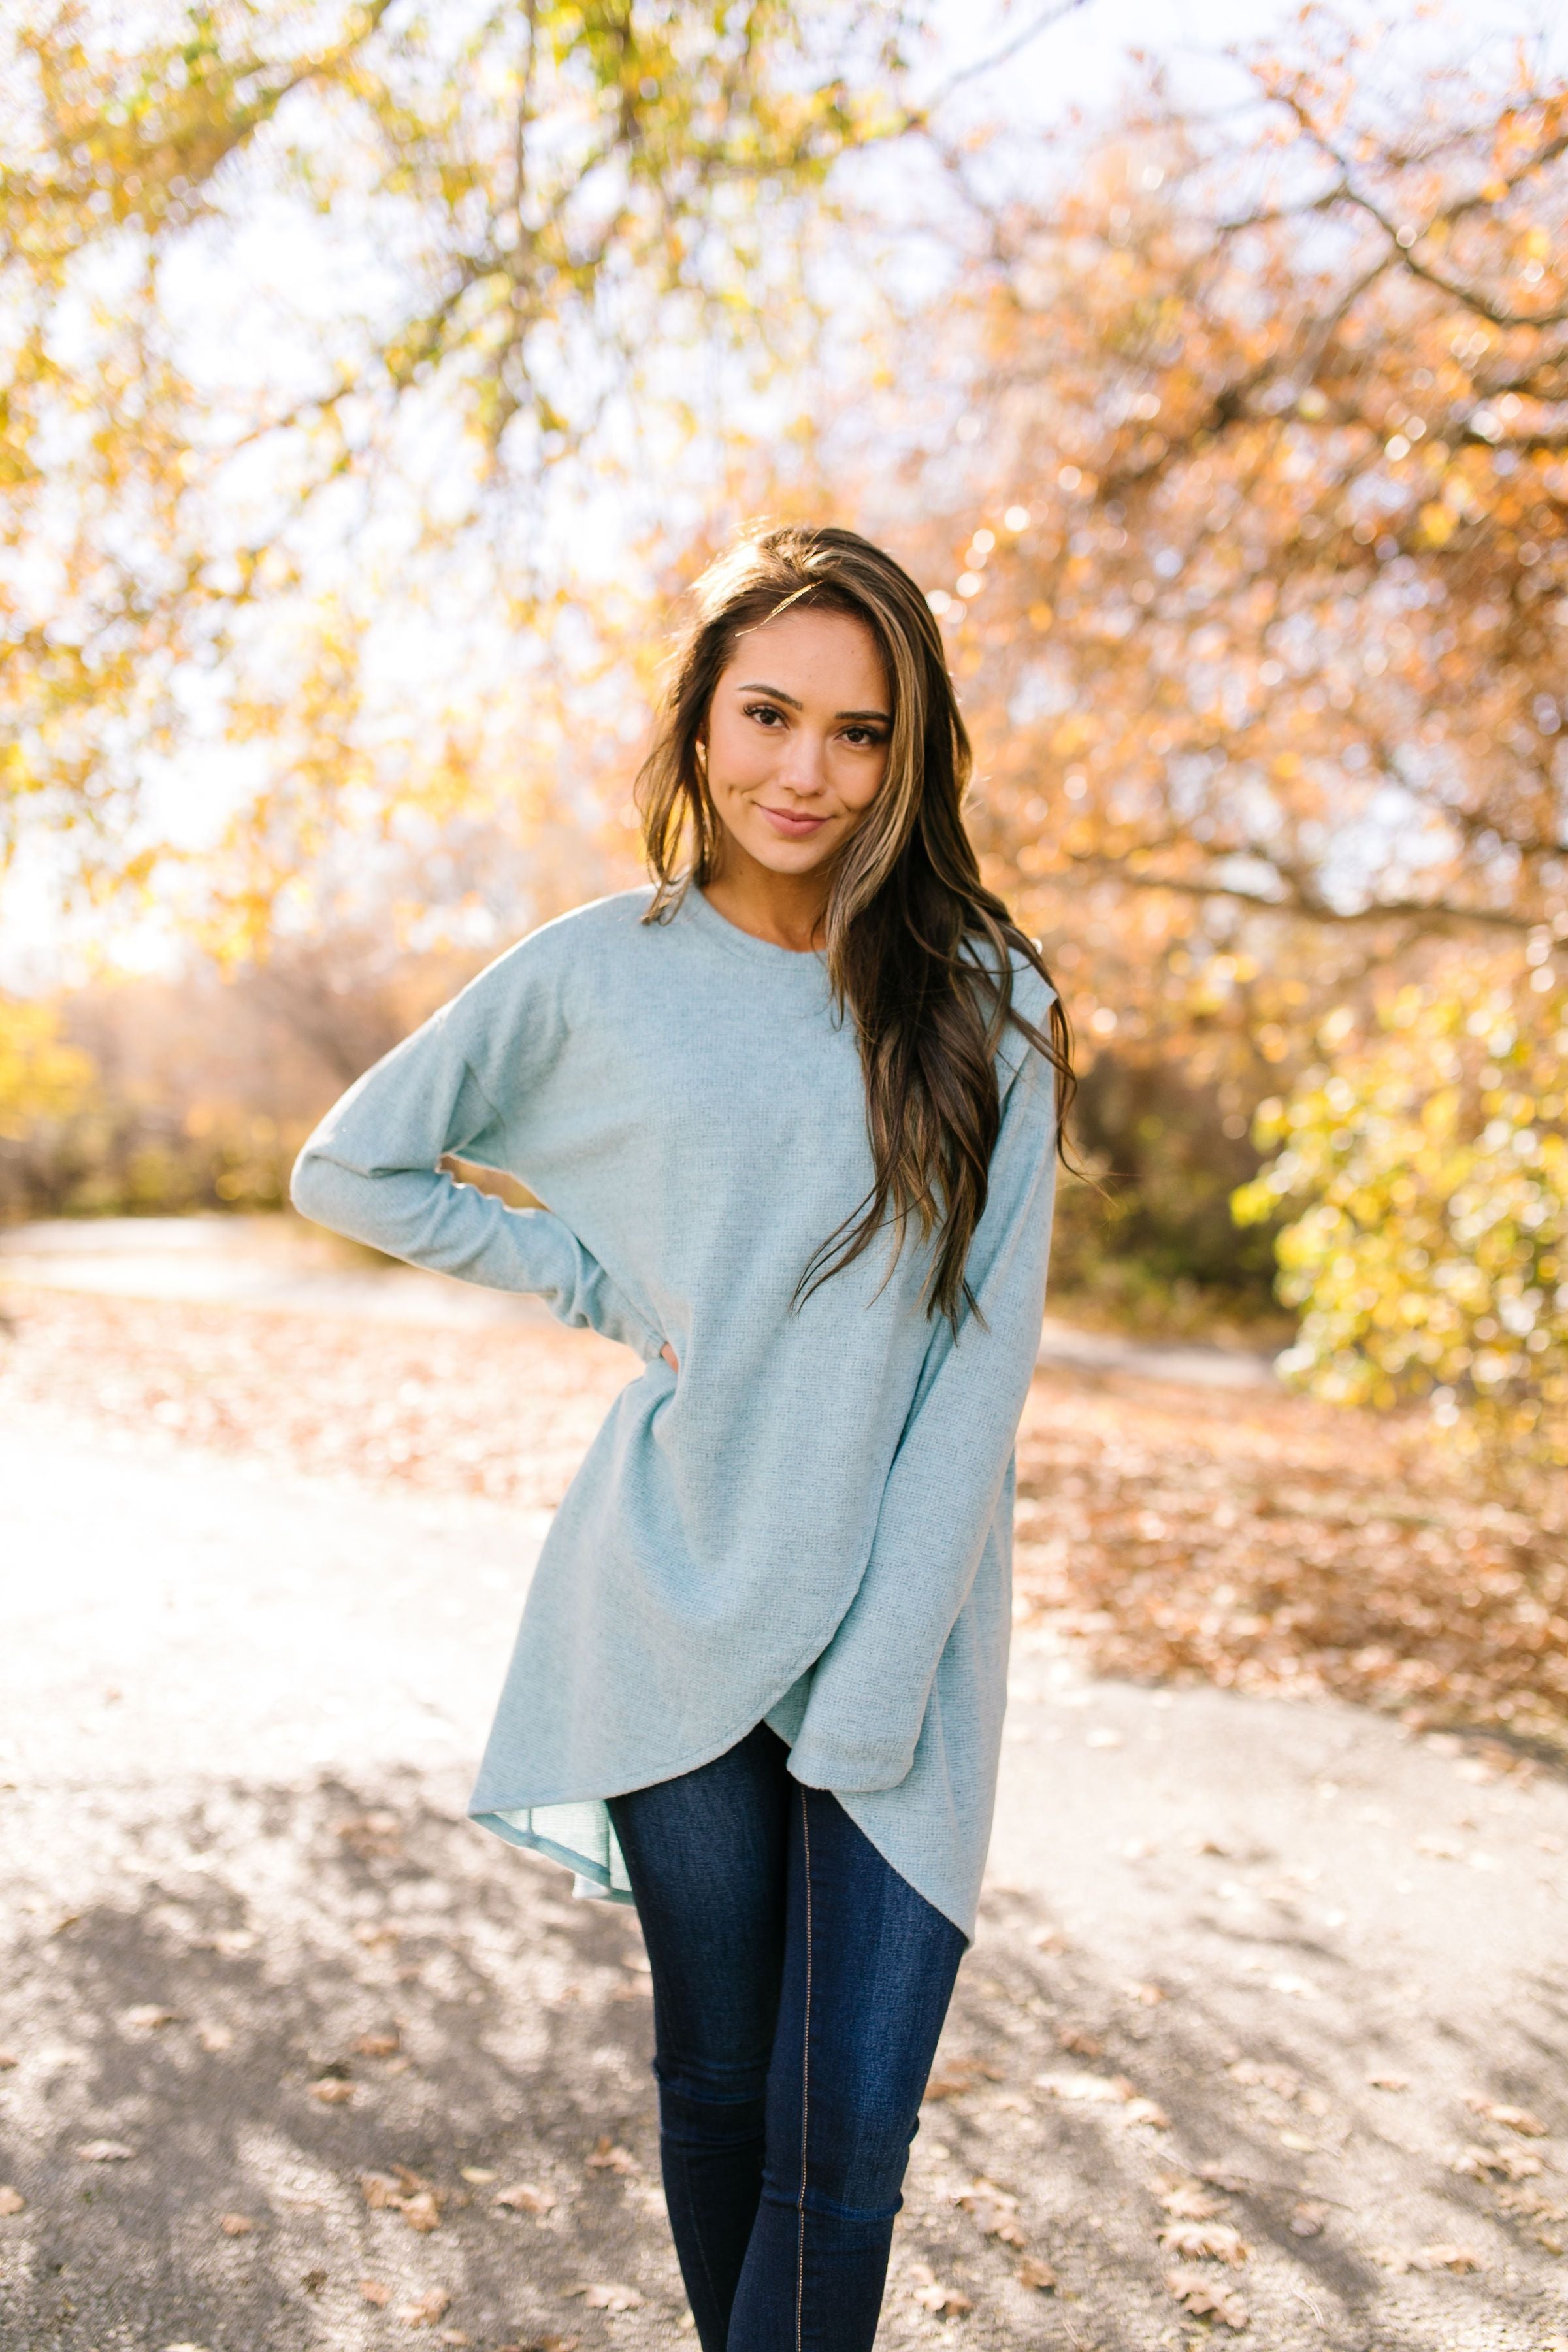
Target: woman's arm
{"x": 870, "y": 1686}
{"x": 370, "y": 1172}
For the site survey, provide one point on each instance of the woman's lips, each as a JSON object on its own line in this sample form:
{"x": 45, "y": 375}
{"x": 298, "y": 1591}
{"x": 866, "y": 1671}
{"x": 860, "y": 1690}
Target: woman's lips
{"x": 793, "y": 827}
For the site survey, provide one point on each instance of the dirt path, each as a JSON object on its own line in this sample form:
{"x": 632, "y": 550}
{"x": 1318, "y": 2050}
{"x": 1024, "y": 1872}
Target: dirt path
{"x": 240, "y": 1706}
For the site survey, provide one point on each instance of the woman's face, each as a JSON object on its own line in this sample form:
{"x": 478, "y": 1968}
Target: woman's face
{"x": 797, "y": 738}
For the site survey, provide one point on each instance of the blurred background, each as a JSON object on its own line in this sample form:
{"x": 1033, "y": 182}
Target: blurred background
{"x": 373, "y": 378}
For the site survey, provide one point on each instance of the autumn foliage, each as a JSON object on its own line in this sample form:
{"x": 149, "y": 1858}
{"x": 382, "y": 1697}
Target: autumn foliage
{"x": 1231, "y": 446}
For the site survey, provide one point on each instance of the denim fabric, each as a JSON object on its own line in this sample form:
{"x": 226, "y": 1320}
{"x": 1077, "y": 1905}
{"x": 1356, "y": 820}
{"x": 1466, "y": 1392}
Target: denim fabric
{"x": 799, "y": 1988}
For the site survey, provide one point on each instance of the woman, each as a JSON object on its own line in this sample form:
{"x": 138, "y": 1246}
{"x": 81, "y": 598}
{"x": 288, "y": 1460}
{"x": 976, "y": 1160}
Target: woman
{"x": 794, "y": 1110}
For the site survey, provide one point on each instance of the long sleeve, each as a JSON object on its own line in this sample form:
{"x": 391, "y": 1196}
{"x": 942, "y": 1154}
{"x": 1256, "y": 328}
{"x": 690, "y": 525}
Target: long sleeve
{"x": 368, "y": 1171}
{"x": 870, "y": 1686}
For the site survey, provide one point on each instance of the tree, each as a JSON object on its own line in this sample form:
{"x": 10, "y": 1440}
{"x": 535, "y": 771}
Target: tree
{"x": 1429, "y": 1156}
{"x": 1256, "y": 567}
{"x": 305, "y": 309}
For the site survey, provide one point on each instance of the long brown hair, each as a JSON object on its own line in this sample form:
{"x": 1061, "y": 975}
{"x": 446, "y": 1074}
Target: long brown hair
{"x": 917, "y": 948}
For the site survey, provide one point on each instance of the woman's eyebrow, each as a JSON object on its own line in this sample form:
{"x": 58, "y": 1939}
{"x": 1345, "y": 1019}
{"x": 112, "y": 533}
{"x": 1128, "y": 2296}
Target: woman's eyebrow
{"x": 756, "y": 687}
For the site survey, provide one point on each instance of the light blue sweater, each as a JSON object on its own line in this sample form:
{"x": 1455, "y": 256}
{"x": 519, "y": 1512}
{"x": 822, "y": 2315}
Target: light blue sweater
{"x": 812, "y": 1523}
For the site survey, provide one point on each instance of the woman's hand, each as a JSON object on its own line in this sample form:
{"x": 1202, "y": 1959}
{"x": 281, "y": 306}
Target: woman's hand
{"x": 668, "y": 1352}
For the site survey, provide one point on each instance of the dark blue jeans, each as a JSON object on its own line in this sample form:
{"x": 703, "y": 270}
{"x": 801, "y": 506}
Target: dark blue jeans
{"x": 799, "y": 1987}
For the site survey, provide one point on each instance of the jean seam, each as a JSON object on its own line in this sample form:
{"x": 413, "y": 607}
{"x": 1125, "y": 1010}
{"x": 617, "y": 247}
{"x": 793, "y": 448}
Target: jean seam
{"x": 709, "y": 2279}
{"x": 804, "y": 2091}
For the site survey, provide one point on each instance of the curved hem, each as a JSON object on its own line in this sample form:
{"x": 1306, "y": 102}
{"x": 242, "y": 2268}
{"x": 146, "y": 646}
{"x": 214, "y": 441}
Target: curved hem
{"x": 710, "y": 1751}
{"x": 593, "y": 1878}
{"x": 488, "y": 1816}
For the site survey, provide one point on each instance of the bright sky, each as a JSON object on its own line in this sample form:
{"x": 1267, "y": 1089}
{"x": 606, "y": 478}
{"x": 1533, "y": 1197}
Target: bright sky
{"x": 1082, "y": 59}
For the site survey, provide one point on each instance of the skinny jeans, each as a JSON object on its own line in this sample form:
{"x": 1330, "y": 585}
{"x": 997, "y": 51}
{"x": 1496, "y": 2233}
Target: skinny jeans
{"x": 799, "y": 1988}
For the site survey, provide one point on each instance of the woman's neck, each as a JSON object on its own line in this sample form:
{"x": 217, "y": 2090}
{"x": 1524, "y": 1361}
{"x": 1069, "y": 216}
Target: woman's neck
{"x": 788, "y": 910}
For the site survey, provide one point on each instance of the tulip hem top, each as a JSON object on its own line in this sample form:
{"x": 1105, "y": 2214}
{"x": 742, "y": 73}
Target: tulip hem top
{"x": 810, "y": 1523}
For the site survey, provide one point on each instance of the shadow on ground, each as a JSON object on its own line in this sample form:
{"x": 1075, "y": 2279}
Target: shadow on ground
{"x": 327, "y": 2025}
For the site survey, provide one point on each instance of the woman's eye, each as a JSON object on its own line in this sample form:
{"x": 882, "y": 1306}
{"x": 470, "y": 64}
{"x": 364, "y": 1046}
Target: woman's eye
{"x": 763, "y": 713}
{"x": 861, "y": 738}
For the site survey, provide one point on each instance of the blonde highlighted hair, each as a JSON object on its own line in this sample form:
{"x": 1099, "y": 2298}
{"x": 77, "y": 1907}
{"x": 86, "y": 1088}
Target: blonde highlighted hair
{"x": 919, "y": 950}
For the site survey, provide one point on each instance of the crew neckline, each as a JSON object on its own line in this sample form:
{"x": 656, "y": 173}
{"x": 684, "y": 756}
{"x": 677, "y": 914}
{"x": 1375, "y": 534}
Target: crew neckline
{"x": 746, "y": 944}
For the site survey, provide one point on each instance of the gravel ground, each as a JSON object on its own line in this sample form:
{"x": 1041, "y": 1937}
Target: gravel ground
{"x": 1276, "y": 1979}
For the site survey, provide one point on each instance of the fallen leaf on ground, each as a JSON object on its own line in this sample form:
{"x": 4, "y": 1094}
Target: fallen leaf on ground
{"x": 332, "y": 2091}
{"x": 1185, "y": 2201}
{"x": 1096, "y": 2090}
{"x": 609, "y": 2298}
{"x": 1147, "y": 1994}
{"x": 1223, "y": 2176}
{"x": 12, "y": 2201}
{"x": 994, "y": 2211}
{"x": 610, "y": 2157}
{"x": 1049, "y": 1939}
{"x": 427, "y": 2311}
{"x": 933, "y": 2297}
{"x": 148, "y": 2015}
{"x": 479, "y": 2174}
{"x": 1081, "y": 2043}
{"x": 1206, "y": 2299}
{"x": 544, "y": 2343}
{"x": 1283, "y": 2081}
{"x": 1506, "y": 2163}
{"x": 105, "y": 2151}
{"x": 374, "y": 2045}
{"x": 453, "y": 2335}
{"x": 215, "y": 2038}
{"x": 229, "y": 1942}
{"x": 1518, "y": 2120}
{"x": 1388, "y": 2081}
{"x": 313, "y": 2282}
{"x": 373, "y": 1835}
{"x": 1215, "y": 2241}
{"x": 1307, "y": 2220}
{"x": 373, "y": 2292}
{"x": 1032, "y": 2272}
{"x": 959, "y": 2075}
{"x": 1428, "y": 2258}
{"x": 1106, "y": 2090}
{"x": 1297, "y": 2142}
{"x": 404, "y": 2192}
{"x": 235, "y": 2225}
{"x": 525, "y": 2198}
{"x": 1532, "y": 2202}
{"x": 8, "y": 2059}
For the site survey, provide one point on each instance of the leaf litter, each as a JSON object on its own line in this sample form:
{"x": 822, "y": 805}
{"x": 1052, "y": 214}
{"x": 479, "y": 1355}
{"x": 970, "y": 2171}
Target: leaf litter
{"x": 1206, "y": 2298}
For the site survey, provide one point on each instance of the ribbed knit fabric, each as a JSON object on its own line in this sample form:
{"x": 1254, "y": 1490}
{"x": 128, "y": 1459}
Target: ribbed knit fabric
{"x": 812, "y": 1523}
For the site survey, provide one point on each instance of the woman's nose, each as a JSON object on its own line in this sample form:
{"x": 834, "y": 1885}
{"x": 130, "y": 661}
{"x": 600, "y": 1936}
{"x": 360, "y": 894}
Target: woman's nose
{"x": 806, "y": 764}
